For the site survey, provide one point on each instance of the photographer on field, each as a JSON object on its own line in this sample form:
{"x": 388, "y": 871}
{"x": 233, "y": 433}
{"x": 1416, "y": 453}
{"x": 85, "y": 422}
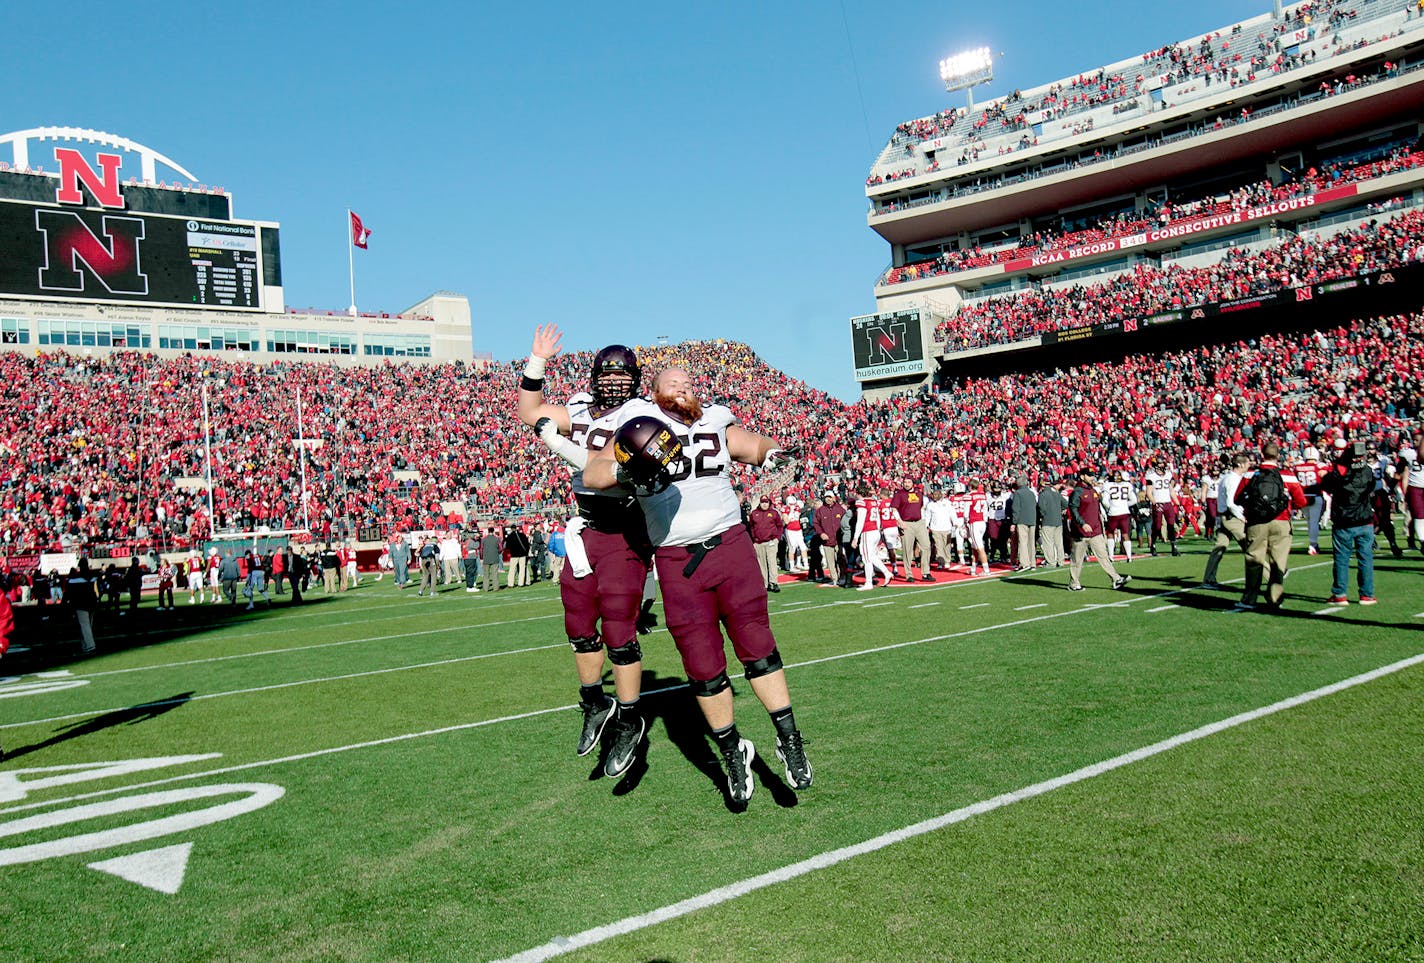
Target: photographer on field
{"x": 1350, "y": 482}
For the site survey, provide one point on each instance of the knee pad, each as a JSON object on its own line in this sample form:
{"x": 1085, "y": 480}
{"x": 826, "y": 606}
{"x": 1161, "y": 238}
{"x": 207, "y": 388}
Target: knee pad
{"x": 589, "y": 644}
{"x": 712, "y": 686}
{"x": 627, "y": 654}
{"x": 766, "y": 666}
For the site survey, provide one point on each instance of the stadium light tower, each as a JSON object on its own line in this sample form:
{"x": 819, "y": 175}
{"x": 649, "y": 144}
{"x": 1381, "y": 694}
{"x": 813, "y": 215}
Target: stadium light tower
{"x": 967, "y": 70}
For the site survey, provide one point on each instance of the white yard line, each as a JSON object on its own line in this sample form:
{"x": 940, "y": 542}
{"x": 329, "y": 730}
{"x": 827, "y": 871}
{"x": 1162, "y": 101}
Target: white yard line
{"x": 875, "y": 605}
{"x": 977, "y": 605}
{"x": 922, "y": 605}
{"x": 535, "y": 712}
{"x": 1329, "y": 610}
{"x": 1036, "y": 605}
{"x": 1163, "y": 608}
{"x": 318, "y": 645}
{"x": 824, "y": 860}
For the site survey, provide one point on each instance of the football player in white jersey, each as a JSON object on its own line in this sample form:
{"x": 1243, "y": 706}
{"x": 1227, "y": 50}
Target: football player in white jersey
{"x": 1119, "y": 498}
{"x": 1411, "y": 467}
{"x": 609, "y": 552}
{"x": 680, "y": 455}
{"x": 1162, "y": 489}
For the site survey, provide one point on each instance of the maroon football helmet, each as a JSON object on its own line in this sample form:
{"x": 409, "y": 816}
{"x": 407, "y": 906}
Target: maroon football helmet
{"x": 644, "y": 448}
{"x": 610, "y": 392}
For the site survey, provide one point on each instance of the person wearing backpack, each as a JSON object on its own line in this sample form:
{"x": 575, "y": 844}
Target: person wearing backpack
{"x": 1267, "y": 497}
{"x": 1350, "y": 483}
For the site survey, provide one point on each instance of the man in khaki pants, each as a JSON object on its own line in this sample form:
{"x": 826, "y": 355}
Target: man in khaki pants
{"x": 1268, "y": 538}
{"x": 1087, "y": 511}
{"x": 767, "y": 525}
{"x": 1230, "y": 519}
{"x": 1023, "y": 506}
{"x": 827, "y": 523}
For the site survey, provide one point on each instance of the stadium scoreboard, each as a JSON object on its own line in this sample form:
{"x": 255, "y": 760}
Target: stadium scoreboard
{"x": 889, "y": 345}
{"x": 62, "y": 253}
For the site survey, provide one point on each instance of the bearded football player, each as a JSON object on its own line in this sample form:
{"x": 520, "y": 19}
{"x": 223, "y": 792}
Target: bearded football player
{"x": 609, "y": 555}
{"x": 677, "y": 455}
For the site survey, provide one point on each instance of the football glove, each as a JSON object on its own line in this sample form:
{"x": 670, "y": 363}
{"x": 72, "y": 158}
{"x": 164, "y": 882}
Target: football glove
{"x": 779, "y": 458}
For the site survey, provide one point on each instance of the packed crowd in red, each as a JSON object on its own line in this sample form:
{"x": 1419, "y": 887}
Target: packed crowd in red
{"x": 1122, "y": 225}
{"x": 1146, "y": 290}
{"x": 112, "y": 451}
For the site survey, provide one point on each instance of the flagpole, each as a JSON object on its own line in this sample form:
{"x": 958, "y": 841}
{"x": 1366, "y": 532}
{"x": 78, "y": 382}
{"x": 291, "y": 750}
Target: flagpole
{"x": 351, "y": 260}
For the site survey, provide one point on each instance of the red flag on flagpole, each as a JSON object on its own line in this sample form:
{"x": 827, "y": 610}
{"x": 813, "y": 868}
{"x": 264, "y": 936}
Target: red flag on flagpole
{"x": 359, "y": 232}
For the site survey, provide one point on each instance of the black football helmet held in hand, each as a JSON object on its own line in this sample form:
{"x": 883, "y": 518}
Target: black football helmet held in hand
{"x": 614, "y": 360}
{"x": 644, "y": 448}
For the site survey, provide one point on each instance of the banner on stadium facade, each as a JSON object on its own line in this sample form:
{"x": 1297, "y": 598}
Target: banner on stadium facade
{"x": 62, "y": 562}
{"x": 890, "y": 345}
{"x": 23, "y": 564}
{"x": 1184, "y": 228}
{"x": 1408, "y": 274}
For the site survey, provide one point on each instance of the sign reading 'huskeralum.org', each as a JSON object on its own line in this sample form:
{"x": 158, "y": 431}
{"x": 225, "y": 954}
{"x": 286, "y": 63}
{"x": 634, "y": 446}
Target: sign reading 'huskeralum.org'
{"x": 888, "y": 345}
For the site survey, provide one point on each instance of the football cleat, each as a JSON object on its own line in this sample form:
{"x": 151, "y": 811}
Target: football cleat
{"x": 1338, "y": 600}
{"x": 626, "y": 736}
{"x": 1121, "y": 581}
{"x": 739, "y": 771}
{"x": 792, "y": 753}
{"x": 1367, "y": 600}
{"x": 594, "y": 719}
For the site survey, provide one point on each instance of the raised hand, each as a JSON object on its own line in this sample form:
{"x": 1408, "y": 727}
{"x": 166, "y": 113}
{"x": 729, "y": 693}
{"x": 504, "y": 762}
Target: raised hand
{"x": 546, "y": 341}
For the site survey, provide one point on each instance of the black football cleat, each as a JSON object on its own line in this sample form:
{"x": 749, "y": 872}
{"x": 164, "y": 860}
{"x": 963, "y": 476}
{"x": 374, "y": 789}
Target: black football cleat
{"x": 594, "y": 719}
{"x": 792, "y": 753}
{"x": 626, "y": 736}
{"x": 739, "y": 771}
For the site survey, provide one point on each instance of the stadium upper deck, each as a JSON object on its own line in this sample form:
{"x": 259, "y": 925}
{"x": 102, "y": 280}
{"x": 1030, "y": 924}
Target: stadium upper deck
{"x": 1303, "y": 118}
{"x": 1262, "y": 99}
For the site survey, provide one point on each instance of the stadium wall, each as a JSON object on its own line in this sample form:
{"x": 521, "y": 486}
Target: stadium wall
{"x": 433, "y": 331}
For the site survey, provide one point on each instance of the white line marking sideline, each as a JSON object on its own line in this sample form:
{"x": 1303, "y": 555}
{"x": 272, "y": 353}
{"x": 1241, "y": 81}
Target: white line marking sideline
{"x": 723, "y": 894}
{"x": 1327, "y": 611}
{"x": 922, "y": 605}
{"x": 1036, "y": 605}
{"x": 1163, "y": 608}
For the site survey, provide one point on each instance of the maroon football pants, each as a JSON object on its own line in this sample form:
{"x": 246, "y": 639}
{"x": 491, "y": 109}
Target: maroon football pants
{"x": 725, "y": 589}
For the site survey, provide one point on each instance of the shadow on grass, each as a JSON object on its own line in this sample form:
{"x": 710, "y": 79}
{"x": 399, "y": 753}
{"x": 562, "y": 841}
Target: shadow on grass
{"x": 51, "y": 634}
{"x": 671, "y": 702}
{"x": 133, "y": 715}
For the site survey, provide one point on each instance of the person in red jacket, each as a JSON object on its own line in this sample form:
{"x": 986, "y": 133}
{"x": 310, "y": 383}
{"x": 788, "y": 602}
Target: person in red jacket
{"x": 1268, "y": 495}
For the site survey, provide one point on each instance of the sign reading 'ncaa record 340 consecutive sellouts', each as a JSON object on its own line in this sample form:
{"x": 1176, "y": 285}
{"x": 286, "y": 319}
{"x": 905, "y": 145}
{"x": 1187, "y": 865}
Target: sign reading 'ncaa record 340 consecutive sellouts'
{"x": 888, "y": 345}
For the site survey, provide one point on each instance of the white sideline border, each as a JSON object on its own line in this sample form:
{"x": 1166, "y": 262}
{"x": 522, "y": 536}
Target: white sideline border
{"x": 722, "y": 894}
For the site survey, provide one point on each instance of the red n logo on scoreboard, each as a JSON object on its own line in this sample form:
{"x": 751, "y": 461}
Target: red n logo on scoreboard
{"x": 887, "y": 343}
{"x": 73, "y": 168}
{"x": 70, "y": 244}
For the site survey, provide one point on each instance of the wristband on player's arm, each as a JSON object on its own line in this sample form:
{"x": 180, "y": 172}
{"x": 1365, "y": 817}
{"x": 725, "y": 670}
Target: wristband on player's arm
{"x": 533, "y": 377}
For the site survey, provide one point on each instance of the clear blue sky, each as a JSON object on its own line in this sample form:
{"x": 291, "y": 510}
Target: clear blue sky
{"x": 623, "y": 170}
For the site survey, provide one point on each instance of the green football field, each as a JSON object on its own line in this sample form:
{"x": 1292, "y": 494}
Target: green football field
{"x": 1004, "y": 770}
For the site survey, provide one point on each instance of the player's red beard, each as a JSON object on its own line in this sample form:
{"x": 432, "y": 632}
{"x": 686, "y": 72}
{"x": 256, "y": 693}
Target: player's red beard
{"x": 686, "y": 409}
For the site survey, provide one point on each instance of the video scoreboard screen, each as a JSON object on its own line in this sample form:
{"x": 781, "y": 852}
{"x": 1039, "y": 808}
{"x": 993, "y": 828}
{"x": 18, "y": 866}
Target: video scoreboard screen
{"x": 72, "y": 254}
{"x": 888, "y": 345}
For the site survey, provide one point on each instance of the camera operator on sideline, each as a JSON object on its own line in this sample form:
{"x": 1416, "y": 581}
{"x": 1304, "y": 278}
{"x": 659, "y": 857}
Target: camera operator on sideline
{"x": 1350, "y": 483}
